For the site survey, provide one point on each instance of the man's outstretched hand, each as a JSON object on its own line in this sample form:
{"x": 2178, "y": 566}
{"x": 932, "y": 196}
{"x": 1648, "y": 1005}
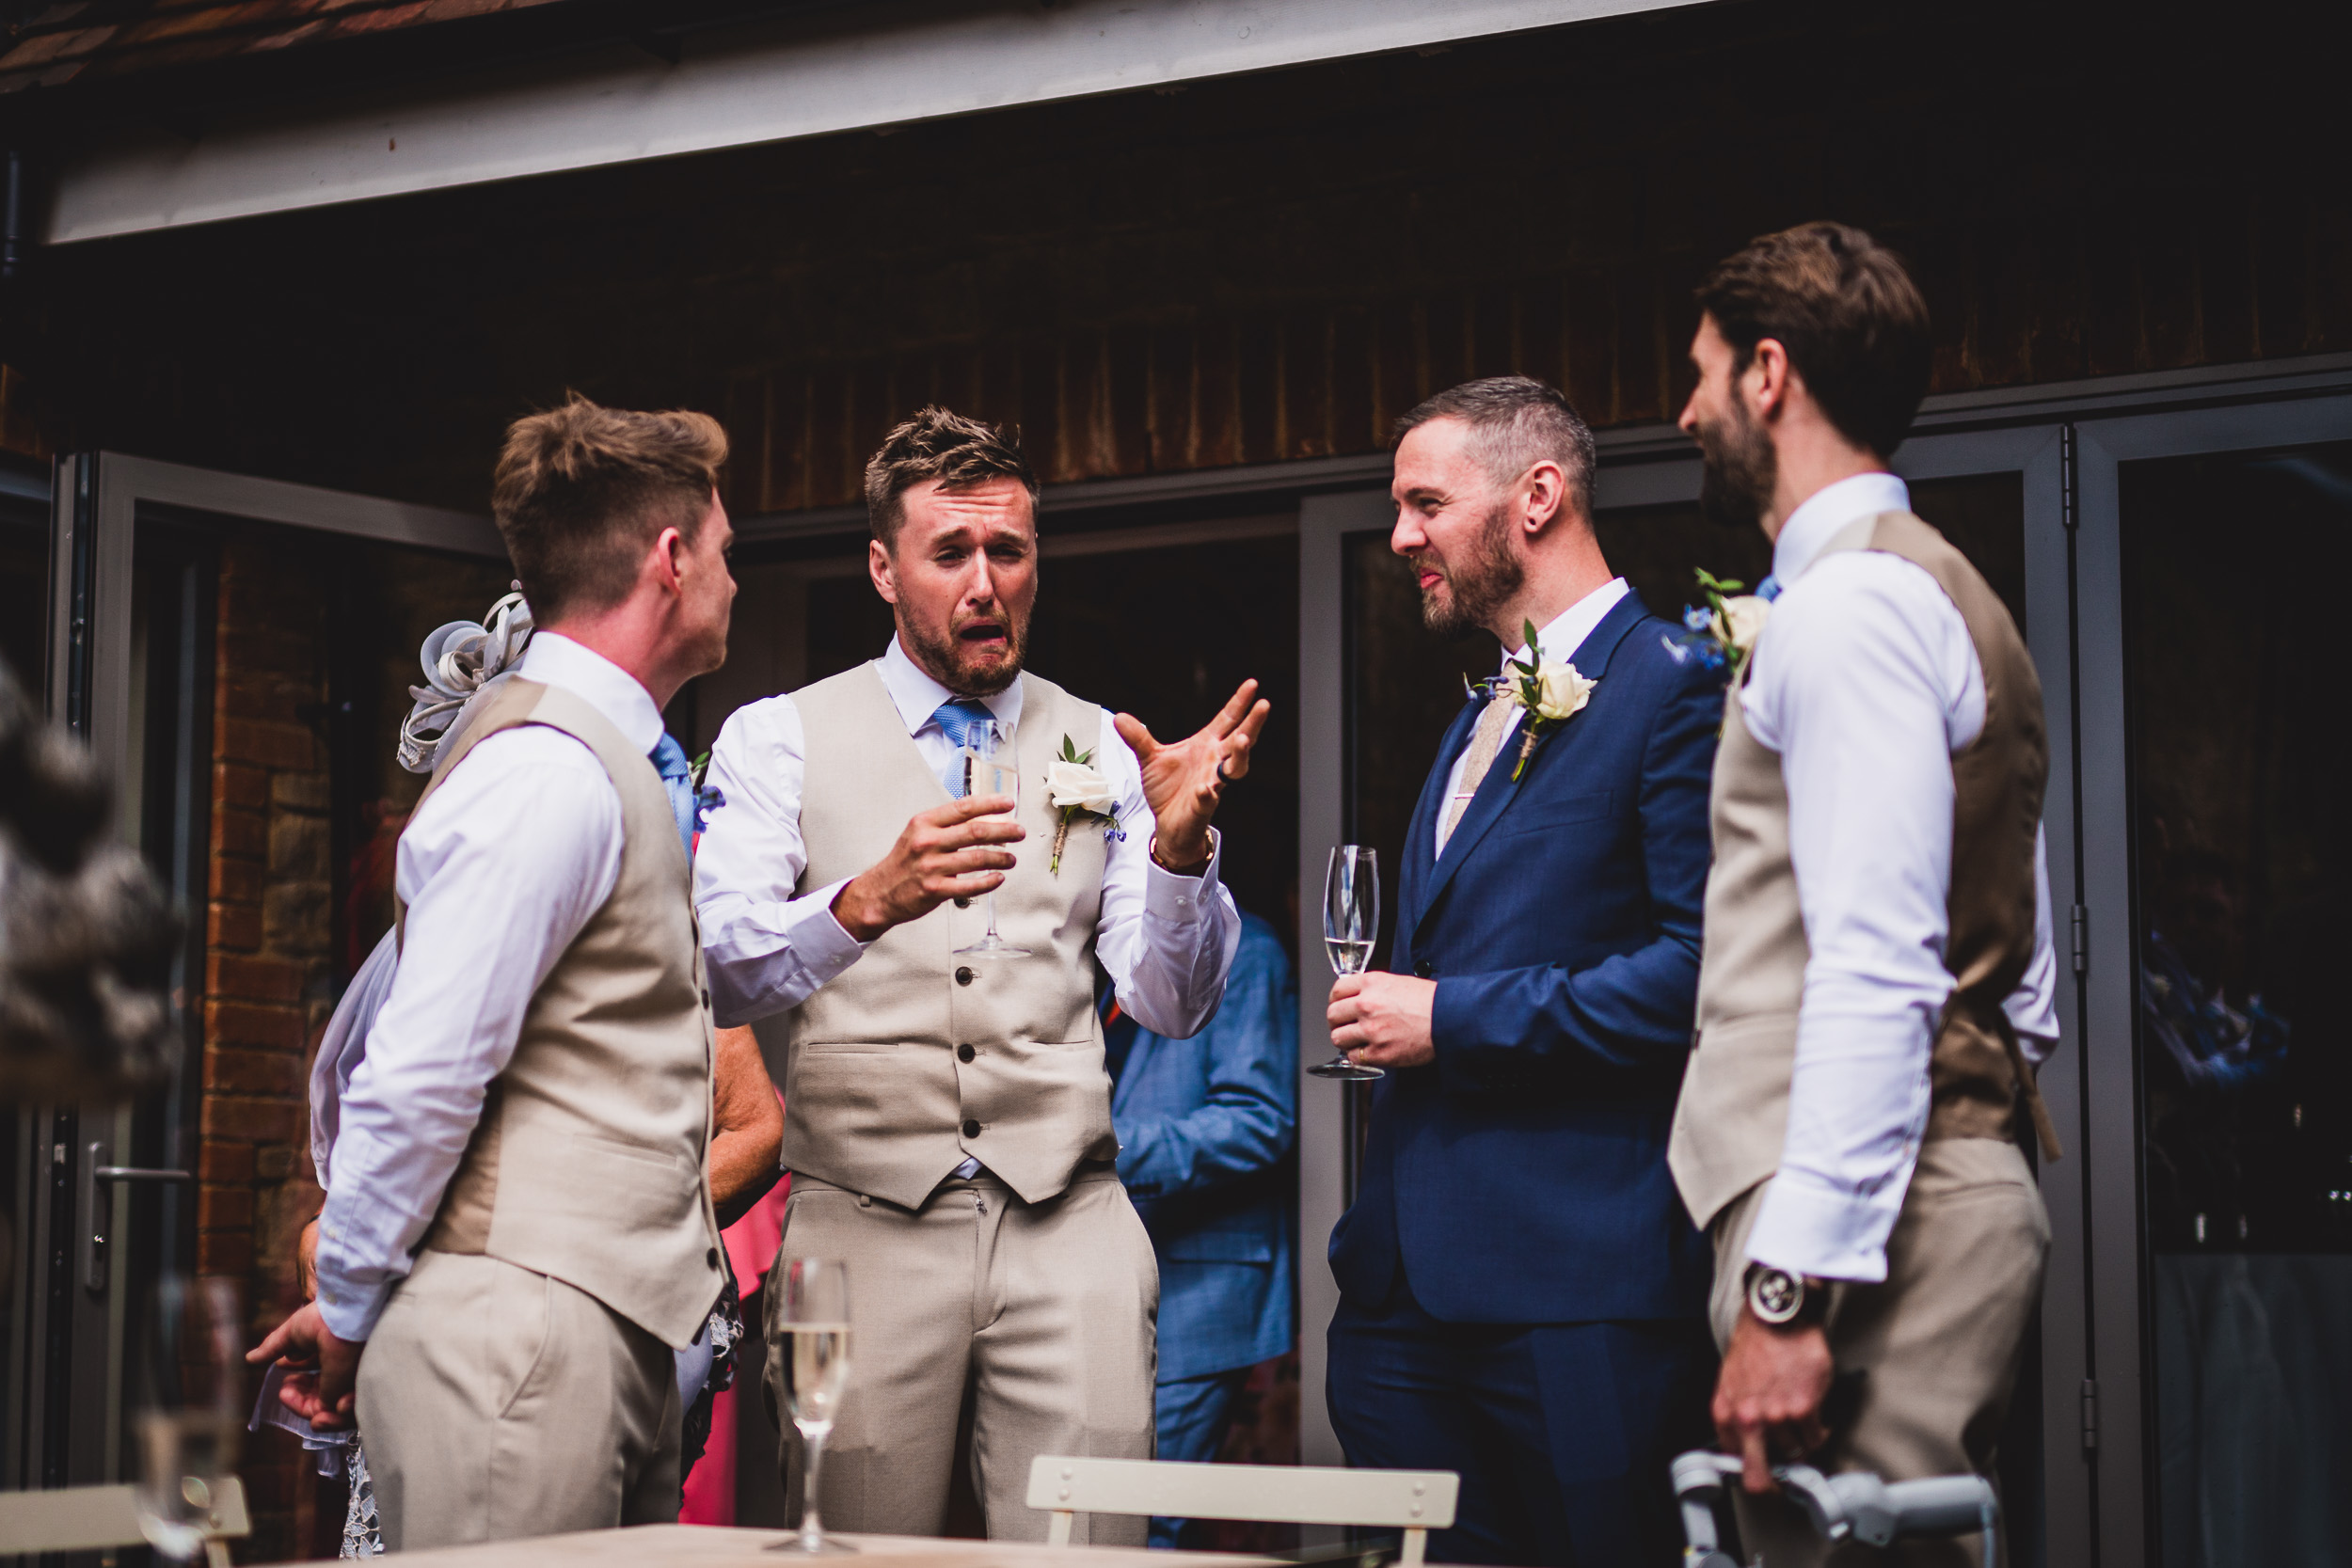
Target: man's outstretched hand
{"x": 321, "y": 1391}
{"x": 1183, "y": 781}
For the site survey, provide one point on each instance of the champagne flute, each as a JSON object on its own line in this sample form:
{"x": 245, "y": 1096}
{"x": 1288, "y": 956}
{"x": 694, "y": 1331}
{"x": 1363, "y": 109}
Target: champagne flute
{"x": 1351, "y": 926}
{"x": 186, "y": 1421}
{"x": 992, "y": 766}
{"x": 812, "y": 1316}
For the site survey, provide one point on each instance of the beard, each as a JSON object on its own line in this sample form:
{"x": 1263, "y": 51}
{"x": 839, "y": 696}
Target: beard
{"x": 1738, "y": 466}
{"x": 961, "y": 668}
{"x": 1481, "y": 583}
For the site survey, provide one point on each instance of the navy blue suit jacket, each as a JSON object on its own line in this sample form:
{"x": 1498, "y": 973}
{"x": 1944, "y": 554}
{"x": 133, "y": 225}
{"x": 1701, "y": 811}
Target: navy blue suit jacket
{"x": 1521, "y": 1177}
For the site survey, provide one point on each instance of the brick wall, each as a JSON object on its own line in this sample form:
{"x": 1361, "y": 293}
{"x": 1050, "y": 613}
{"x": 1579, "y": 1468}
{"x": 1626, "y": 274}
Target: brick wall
{"x": 267, "y": 982}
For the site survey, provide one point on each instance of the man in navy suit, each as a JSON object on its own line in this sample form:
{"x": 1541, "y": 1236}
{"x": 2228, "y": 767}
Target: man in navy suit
{"x": 1205, "y": 1129}
{"x": 1522, "y": 1297}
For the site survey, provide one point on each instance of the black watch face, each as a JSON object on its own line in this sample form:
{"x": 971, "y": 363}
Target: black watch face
{"x": 1775, "y": 1295}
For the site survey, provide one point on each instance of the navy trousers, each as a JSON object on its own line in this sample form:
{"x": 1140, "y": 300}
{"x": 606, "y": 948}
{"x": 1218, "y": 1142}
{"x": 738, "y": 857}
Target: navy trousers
{"x": 1561, "y": 1433}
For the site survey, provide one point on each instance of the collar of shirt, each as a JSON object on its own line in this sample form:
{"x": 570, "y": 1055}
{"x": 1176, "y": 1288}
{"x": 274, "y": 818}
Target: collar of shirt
{"x": 918, "y": 696}
{"x": 1825, "y": 514}
{"x": 1572, "y": 626}
{"x": 557, "y": 660}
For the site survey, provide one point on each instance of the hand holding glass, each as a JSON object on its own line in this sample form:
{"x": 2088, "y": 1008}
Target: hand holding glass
{"x": 991, "y": 765}
{"x": 812, "y": 1316}
{"x": 1351, "y": 927}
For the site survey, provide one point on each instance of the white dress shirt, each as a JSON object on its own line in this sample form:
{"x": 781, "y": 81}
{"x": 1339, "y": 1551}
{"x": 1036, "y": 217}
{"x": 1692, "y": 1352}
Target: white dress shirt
{"x": 1166, "y": 941}
{"x": 1559, "y": 640}
{"x": 501, "y": 868}
{"x": 1865, "y": 685}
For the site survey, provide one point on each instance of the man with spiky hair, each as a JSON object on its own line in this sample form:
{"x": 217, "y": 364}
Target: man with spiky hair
{"x": 947, "y": 1115}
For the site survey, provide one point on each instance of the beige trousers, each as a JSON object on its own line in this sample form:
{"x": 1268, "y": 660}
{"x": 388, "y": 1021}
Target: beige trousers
{"x": 1040, "y": 1315}
{"x": 1937, "y": 1344}
{"x": 498, "y": 1403}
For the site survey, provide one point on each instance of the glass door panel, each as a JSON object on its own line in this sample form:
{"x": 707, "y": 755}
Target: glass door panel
{"x": 2240, "y": 852}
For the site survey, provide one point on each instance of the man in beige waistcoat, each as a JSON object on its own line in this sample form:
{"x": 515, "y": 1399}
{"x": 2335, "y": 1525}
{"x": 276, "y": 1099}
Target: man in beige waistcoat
{"x": 518, "y": 1236}
{"x": 947, "y": 1113}
{"x": 1877, "y": 979}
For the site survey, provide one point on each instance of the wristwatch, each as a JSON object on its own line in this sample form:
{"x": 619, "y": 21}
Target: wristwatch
{"x": 1781, "y": 1299}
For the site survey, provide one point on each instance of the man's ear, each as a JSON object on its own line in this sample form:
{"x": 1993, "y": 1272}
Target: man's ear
{"x": 879, "y": 567}
{"x": 669, "y": 555}
{"x": 1546, "y": 489}
{"x": 1767, "y": 381}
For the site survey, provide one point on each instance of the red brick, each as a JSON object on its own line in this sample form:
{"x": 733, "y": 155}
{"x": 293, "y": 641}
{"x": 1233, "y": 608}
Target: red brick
{"x": 238, "y": 783}
{"x": 230, "y": 977}
{"x": 275, "y": 698}
{"x": 258, "y": 648}
{"x": 250, "y": 1024}
{"x": 228, "y": 1115}
{"x": 234, "y": 925}
{"x": 225, "y": 1162}
{"x": 238, "y": 881}
{"x": 270, "y": 1072}
{"x": 270, "y": 745}
{"x": 227, "y": 1252}
{"x": 224, "y": 1208}
{"x": 239, "y": 833}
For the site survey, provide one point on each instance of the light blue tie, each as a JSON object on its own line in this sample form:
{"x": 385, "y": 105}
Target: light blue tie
{"x": 957, "y": 720}
{"x": 678, "y": 779}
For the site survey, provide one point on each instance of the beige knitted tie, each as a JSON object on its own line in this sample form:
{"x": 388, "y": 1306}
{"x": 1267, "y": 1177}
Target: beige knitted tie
{"x": 1480, "y": 756}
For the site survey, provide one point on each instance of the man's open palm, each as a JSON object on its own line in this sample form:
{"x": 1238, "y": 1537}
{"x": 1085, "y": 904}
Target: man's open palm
{"x": 1183, "y": 781}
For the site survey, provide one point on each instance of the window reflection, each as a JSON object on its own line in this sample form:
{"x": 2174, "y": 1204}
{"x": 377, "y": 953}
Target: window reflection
{"x": 2237, "y": 758}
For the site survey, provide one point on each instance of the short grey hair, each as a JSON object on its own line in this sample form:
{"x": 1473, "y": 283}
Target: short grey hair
{"x": 1516, "y": 422}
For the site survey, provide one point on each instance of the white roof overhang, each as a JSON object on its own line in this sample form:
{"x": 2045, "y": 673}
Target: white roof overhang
{"x": 859, "y": 66}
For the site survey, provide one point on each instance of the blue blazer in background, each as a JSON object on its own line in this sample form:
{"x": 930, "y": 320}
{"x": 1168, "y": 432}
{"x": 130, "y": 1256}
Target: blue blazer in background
{"x": 1521, "y": 1177}
{"x": 1205, "y": 1129}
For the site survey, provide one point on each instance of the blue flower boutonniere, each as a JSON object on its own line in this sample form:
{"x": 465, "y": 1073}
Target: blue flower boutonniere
{"x": 707, "y": 797}
{"x": 1722, "y": 635}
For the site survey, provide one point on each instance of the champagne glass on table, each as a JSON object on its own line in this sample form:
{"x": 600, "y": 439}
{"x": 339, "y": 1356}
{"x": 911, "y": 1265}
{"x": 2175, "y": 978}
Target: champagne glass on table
{"x": 1351, "y": 926}
{"x": 814, "y": 1318}
{"x": 992, "y": 766}
{"x": 186, "y": 1422}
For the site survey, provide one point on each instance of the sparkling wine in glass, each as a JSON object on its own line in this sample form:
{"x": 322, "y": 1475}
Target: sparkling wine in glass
{"x": 185, "y": 1425}
{"x": 992, "y": 766}
{"x": 1351, "y": 925}
{"x": 813, "y": 1318}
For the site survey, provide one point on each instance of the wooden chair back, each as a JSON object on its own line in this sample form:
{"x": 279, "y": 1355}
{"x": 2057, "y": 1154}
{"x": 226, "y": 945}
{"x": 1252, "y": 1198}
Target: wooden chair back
{"x": 96, "y": 1518}
{"x": 1414, "y": 1501}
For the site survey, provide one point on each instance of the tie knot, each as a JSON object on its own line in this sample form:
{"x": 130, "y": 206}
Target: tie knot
{"x": 669, "y": 758}
{"x": 957, "y": 718}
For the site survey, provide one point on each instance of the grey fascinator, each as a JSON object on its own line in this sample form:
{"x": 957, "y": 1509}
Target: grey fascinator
{"x": 463, "y": 661}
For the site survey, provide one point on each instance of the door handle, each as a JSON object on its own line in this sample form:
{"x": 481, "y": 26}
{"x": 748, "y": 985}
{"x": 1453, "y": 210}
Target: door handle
{"x": 96, "y": 1220}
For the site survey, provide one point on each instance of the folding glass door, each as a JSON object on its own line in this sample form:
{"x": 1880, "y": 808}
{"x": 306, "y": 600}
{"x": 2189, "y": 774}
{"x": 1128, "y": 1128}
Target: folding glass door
{"x": 235, "y": 651}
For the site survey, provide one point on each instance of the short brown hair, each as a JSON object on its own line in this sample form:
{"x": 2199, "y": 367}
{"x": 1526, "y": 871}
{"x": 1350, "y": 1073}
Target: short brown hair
{"x": 1516, "y": 422}
{"x": 581, "y": 491}
{"x": 957, "y": 451}
{"x": 1848, "y": 313}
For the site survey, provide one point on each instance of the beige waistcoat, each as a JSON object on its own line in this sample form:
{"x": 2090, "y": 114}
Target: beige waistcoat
{"x": 588, "y": 1162}
{"x": 879, "y": 1097}
{"x": 1733, "y": 1114}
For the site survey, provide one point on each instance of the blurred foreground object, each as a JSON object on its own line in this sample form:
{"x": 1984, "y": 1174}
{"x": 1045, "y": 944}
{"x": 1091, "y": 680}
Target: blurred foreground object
{"x": 86, "y": 935}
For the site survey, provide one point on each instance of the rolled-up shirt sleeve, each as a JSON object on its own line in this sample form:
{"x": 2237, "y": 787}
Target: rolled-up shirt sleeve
{"x": 501, "y": 868}
{"x": 1866, "y": 684}
{"x": 1167, "y": 942}
{"x": 767, "y": 949}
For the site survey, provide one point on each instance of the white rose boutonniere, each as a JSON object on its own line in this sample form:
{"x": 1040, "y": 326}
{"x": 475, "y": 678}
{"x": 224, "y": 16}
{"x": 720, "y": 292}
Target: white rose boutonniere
{"x": 1553, "y": 693}
{"x": 1075, "y": 788}
{"x": 1721, "y": 633}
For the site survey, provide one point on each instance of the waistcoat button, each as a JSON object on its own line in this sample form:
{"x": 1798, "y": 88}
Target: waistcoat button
{"x": 964, "y": 977}
{"x": 963, "y": 903}
{"x": 971, "y": 1129}
{"x": 711, "y": 1257}
{"x": 963, "y": 1052}
{"x": 705, "y": 996}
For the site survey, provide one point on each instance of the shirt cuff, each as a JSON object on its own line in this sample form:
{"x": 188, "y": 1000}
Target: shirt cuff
{"x": 819, "y": 939}
{"x": 1808, "y": 1226}
{"x": 1172, "y": 895}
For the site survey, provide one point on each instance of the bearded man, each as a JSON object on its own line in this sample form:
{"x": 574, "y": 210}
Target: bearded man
{"x": 1522, "y": 1299}
{"x": 947, "y": 1115}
